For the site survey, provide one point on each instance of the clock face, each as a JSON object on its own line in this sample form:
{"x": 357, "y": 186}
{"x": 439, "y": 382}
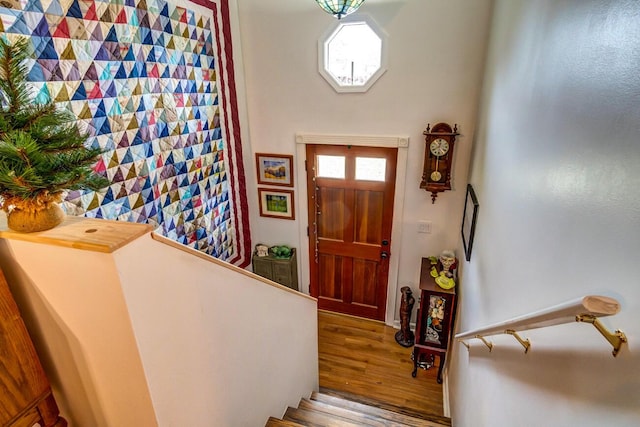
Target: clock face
{"x": 439, "y": 147}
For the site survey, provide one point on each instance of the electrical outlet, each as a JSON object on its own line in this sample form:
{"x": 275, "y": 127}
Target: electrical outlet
{"x": 424, "y": 227}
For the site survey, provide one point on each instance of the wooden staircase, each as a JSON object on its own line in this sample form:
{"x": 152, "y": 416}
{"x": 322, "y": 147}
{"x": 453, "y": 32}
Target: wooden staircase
{"x": 330, "y": 409}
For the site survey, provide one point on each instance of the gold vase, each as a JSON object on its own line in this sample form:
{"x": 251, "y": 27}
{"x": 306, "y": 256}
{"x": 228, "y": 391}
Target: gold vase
{"x": 30, "y": 221}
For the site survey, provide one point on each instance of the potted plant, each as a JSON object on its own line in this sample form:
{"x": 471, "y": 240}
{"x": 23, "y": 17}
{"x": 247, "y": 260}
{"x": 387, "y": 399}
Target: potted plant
{"x": 42, "y": 151}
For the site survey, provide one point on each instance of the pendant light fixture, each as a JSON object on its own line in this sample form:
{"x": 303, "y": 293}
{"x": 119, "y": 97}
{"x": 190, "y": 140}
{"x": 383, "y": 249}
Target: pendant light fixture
{"x": 340, "y": 8}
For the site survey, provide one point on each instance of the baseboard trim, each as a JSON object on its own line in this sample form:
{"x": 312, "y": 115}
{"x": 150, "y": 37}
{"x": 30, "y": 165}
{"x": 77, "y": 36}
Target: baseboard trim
{"x": 396, "y": 324}
{"x": 446, "y": 409}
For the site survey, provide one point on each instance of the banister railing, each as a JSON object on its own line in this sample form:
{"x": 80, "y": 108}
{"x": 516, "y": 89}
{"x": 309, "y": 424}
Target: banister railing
{"x": 587, "y": 309}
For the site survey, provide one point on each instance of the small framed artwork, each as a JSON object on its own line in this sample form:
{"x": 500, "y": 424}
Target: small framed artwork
{"x": 275, "y": 169}
{"x": 469, "y": 218}
{"x": 276, "y": 203}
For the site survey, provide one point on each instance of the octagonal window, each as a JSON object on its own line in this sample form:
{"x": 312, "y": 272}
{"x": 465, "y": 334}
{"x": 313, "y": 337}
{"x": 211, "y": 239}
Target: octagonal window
{"x": 352, "y": 55}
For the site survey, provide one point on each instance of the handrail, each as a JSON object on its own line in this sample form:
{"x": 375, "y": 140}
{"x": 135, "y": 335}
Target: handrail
{"x": 587, "y": 309}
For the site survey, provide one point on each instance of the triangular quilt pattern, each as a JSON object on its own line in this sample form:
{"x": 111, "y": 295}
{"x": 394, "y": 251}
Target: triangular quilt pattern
{"x": 140, "y": 78}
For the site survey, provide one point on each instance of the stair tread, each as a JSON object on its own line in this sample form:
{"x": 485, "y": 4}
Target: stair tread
{"x": 380, "y": 410}
{"x": 359, "y": 417}
{"x": 312, "y": 418}
{"x": 275, "y": 422}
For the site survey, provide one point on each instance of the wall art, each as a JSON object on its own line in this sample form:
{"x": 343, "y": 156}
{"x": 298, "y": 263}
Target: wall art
{"x": 469, "y": 218}
{"x": 274, "y": 169}
{"x": 152, "y": 84}
{"x": 276, "y": 203}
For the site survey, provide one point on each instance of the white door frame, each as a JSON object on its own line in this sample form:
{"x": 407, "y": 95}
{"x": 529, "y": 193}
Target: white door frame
{"x": 399, "y": 142}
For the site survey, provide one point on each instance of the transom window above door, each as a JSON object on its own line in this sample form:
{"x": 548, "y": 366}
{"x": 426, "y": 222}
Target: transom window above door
{"x": 352, "y": 55}
{"x": 370, "y": 169}
{"x": 366, "y": 168}
{"x": 331, "y": 167}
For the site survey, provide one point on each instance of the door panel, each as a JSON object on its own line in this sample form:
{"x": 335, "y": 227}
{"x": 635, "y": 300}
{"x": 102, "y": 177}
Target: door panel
{"x": 350, "y": 216}
{"x": 332, "y": 221}
{"x": 331, "y": 277}
{"x": 368, "y": 219}
{"x": 365, "y": 273}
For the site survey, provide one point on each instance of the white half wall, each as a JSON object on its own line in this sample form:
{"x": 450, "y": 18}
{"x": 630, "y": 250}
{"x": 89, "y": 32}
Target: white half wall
{"x": 218, "y": 347}
{"x": 154, "y": 335}
{"x": 75, "y": 311}
{"x": 555, "y": 169}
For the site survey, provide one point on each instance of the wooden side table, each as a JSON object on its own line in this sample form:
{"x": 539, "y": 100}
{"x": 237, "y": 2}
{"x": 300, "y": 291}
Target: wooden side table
{"x": 434, "y": 323}
{"x": 280, "y": 270}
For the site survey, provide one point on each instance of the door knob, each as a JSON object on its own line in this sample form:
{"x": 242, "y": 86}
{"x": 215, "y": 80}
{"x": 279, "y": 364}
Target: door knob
{"x": 384, "y": 254}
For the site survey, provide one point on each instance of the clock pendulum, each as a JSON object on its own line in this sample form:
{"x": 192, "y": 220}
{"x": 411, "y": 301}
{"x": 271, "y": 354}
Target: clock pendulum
{"x": 435, "y": 175}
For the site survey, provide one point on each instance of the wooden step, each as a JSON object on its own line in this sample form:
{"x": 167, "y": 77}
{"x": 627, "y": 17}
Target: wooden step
{"x": 274, "y": 422}
{"x": 386, "y": 417}
{"x": 357, "y": 417}
{"x": 317, "y": 419}
{"x": 352, "y": 401}
{"x": 331, "y": 409}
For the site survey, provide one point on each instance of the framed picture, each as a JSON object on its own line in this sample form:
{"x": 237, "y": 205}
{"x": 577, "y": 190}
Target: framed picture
{"x": 469, "y": 218}
{"x": 275, "y": 169}
{"x": 276, "y": 203}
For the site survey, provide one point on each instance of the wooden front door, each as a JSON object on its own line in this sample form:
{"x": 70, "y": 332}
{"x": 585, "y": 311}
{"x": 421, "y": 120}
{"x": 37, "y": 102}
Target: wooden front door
{"x": 351, "y": 192}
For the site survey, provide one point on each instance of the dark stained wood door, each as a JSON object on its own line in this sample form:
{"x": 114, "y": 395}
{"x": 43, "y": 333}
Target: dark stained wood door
{"x": 351, "y": 192}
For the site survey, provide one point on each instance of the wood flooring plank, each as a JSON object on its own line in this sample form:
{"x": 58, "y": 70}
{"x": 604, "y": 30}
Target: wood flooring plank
{"x": 361, "y": 357}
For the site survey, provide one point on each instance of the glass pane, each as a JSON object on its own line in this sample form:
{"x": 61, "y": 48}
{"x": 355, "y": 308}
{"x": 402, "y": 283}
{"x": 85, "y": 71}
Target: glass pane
{"x": 354, "y": 54}
{"x": 370, "y": 169}
{"x": 435, "y": 319}
{"x": 331, "y": 166}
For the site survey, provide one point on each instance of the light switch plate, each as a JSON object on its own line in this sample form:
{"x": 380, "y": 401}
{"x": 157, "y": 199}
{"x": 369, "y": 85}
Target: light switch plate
{"x": 424, "y": 226}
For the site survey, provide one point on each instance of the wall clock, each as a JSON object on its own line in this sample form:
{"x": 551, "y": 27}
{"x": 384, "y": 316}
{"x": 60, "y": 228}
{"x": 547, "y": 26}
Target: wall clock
{"x": 438, "y": 155}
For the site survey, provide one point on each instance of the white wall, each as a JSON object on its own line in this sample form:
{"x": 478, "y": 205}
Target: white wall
{"x": 555, "y": 168}
{"x": 76, "y": 314}
{"x": 151, "y": 335}
{"x": 436, "y": 51}
{"x": 218, "y": 347}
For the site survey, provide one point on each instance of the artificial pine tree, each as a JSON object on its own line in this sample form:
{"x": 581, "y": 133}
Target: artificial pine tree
{"x": 42, "y": 151}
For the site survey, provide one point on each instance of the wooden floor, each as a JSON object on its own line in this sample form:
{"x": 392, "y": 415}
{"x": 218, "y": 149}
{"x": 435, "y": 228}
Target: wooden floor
{"x": 362, "y": 357}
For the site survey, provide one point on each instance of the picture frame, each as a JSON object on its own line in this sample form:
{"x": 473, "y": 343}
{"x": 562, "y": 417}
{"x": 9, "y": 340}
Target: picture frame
{"x": 469, "y": 218}
{"x": 274, "y": 169}
{"x": 276, "y": 203}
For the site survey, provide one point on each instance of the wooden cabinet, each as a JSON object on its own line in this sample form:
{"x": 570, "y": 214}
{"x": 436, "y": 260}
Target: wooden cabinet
{"x": 26, "y": 398}
{"x": 434, "y": 323}
{"x": 280, "y": 270}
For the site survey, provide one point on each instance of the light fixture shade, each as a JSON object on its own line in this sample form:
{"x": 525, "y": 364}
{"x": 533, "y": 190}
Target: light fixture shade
{"x": 340, "y": 8}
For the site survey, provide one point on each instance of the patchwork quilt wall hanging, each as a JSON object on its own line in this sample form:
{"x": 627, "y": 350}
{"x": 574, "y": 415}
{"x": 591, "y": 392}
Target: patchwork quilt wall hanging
{"x": 152, "y": 82}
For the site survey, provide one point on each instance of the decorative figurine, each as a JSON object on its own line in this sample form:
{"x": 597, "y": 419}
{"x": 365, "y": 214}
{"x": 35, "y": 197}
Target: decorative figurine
{"x": 448, "y": 260}
{"x": 445, "y": 278}
{"x": 405, "y": 337}
{"x": 262, "y": 250}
